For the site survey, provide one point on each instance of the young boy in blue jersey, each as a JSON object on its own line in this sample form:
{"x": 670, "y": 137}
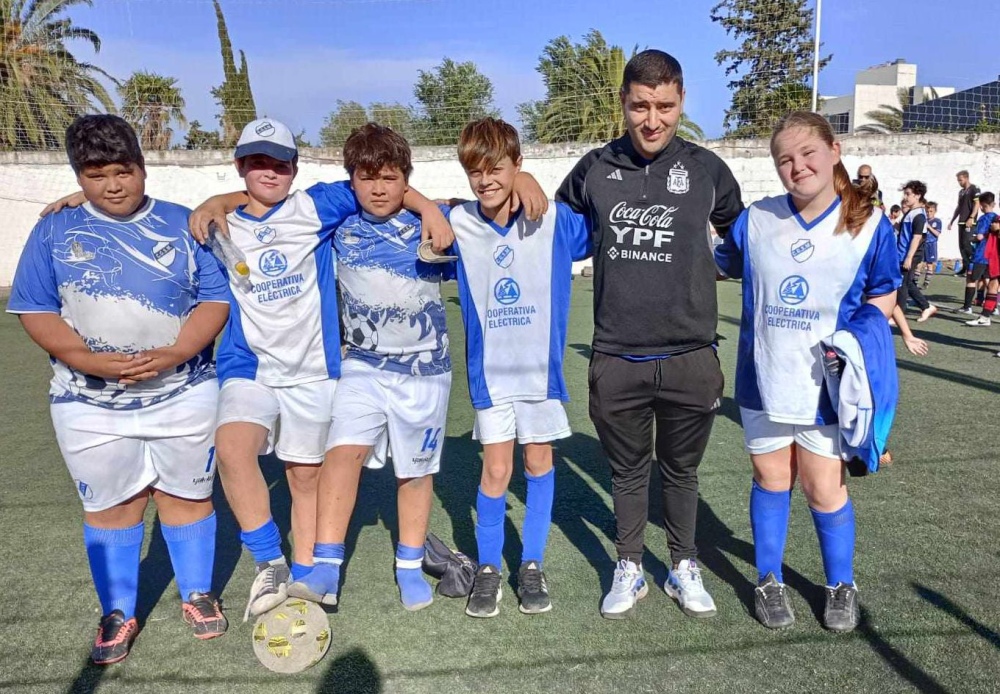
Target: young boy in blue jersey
{"x": 514, "y": 282}
{"x": 396, "y": 376}
{"x": 128, "y": 305}
{"x": 986, "y": 260}
{"x": 978, "y": 272}
{"x": 933, "y": 228}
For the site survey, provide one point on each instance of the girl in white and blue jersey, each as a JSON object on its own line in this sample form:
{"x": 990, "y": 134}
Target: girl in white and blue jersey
{"x": 808, "y": 260}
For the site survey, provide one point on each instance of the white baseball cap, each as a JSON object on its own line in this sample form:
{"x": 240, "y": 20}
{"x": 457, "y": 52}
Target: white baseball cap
{"x": 267, "y": 136}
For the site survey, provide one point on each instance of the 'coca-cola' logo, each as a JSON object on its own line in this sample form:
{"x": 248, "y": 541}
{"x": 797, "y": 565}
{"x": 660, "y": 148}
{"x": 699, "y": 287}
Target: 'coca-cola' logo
{"x": 652, "y": 217}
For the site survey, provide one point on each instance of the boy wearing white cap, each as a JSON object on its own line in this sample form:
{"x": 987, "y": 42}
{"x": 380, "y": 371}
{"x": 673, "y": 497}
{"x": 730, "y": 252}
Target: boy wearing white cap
{"x": 279, "y": 358}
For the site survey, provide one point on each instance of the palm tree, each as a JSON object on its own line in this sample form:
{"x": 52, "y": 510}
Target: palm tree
{"x": 149, "y": 103}
{"x": 888, "y": 118}
{"x": 43, "y": 87}
{"x": 592, "y": 111}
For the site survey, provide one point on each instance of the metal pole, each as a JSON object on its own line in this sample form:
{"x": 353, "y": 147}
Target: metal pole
{"x": 815, "y": 85}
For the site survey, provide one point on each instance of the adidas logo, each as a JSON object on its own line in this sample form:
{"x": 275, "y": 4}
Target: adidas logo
{"x": 615, "y": 175}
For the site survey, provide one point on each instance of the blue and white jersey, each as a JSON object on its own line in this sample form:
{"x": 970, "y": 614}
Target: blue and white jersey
{"x": 801, "y": 283}
{"x": 393, "y": 315}
{"x": 514, "y": 282}
{"x": 286, "y": 329}
{"x": 913, "y": 224}
{"x": 934, "y": 224}
{"x": 124, "y": 285}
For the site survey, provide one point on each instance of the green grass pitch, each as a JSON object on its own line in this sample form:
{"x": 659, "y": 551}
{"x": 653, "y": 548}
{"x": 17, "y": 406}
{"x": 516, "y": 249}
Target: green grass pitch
{"x": 927, "y": 560}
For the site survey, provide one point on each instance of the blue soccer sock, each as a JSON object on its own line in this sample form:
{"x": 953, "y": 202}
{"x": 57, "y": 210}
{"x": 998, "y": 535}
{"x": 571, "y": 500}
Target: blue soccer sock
{"x": 537, "y": 516}
{"x": 114, "y": 555}
{"x": 264, "y": 542}
{"x": 836, "y": 543}
{"x": 192, "y": 554}
{"x": 324, "y": 579}
{"x": 769, "y": 523}
{"x": 300, "y": 570}
{"x": 490, "y": 512}
{"x": 414, "y": 590}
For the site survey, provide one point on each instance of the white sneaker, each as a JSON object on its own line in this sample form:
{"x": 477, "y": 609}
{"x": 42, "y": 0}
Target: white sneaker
{"x": 684, "y": 585}
{"x": 269, "y": 589}
{"x": 628, "y": 587}
{"x": 982, "y": 320}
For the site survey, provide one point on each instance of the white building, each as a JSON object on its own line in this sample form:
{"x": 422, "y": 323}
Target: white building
{"x": 873, "y": 88}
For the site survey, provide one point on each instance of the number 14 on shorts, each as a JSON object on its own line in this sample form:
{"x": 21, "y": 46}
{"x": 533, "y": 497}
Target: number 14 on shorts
{"x": 431, "y": 436}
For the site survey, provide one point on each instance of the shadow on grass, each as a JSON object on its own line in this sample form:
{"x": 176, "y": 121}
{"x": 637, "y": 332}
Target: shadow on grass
{"x": 351, "y": 673}
{"x": 944, "y": 604}
{"x": 951, "y": 376}
{"x": 903, "y": 666}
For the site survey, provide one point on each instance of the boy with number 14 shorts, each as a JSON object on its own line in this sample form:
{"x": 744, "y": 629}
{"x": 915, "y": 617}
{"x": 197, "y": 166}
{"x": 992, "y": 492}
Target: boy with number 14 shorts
{"x": 127, "y": 306}
{"x": 514, "y": 282}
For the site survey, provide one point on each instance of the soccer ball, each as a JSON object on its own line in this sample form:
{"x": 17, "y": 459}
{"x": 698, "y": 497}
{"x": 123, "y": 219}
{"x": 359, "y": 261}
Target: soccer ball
{"x": 361, "y": 332}
{"x": 293, "y": 636}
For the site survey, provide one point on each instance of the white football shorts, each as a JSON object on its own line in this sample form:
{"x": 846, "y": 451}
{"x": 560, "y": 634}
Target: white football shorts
{"x": 539, "y": 421}
{"x": 302, "y": 413}
{"x": 413, "y": 410}
{"x": 762, "y": 435}
{"x": 112, "y": 455}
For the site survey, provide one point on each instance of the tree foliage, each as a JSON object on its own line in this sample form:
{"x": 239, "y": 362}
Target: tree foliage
{"x": 234, "y": 95}
{"x": 582, "y": 93}
{"x": 150, "y": 102}
{"x": 773, "y": 61}
{"x": 202, "y": 139}
{"x": 350, "y": 115}
{"x": 449, "y": 96}
{"x": 43, "y": 86}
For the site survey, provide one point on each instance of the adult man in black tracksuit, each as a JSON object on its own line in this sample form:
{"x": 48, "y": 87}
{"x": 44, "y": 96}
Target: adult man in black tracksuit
{"x": 966, "y": 213}
{"x": 651, "y": 197}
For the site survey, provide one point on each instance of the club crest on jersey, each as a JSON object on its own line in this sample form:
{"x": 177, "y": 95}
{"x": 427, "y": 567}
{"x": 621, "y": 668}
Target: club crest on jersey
{"x": 503, "y": 256}
{"x": 273, "y": 263}
{"x": 678, "y": 182}
{"x": 85, "y": 490}
{"x": 506, "y": 291}
{"x": 164, "y": 253}
{"x": 793, "y": 290}
{"x": 802, "y": 250}
{"x": 265, "y": 234}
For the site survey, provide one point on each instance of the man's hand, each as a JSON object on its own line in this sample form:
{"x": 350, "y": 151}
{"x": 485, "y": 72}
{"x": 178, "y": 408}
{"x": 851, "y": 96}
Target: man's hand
{"x": 907, "y": 264}
{"x": 970, "y": 223}
{"x": 950, "y": 225}
{"x": 72, "y": 200}
{"x": 529, "y": 194}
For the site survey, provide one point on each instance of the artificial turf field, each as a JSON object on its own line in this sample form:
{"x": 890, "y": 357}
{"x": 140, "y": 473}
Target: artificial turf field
{"x": 927, "y": 560}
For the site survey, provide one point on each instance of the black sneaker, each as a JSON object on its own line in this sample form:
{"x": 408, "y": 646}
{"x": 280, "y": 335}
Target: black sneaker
{"x": 532, "y": 589}
{"x": 772, "y": 604}
{"x": 114, "y": 638}
{"x": 203, "y": 613}
{"x": 486, "y": 593}
{"x": 842, "y": 612}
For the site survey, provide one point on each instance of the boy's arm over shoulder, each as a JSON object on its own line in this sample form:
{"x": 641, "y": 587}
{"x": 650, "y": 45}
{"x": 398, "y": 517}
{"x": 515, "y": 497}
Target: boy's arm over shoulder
{"x": 575, "y": 230}
{"x": 35, "y": 288}
{"x": 728, "y": 198}
{"x": 573, "y": 191}
{"x": 335, "y": 202}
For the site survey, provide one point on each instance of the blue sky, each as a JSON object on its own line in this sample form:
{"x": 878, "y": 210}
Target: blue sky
{"x": 306, "y": 54}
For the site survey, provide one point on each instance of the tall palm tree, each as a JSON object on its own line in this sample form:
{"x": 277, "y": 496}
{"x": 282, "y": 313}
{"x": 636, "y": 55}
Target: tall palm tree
{"x": 43, "y": 87}
{"x": 149, "y": 103}
{"x": 888, "y": 118}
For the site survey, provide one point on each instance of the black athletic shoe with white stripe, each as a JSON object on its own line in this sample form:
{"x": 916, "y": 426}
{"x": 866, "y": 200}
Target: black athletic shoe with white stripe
{"x": 484, "y": 600}
{"x": 532, "y": 589}
{"x": 772, "y": 604}
{"x": 842, "y": 611}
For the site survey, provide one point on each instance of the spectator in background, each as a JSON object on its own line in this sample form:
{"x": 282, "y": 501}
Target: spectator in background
{"x": 965, "y": 212}
{"x": 864, "y": 175}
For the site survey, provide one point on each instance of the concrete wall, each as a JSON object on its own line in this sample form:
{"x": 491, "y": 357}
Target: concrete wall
{"x": 29, "y": 180}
